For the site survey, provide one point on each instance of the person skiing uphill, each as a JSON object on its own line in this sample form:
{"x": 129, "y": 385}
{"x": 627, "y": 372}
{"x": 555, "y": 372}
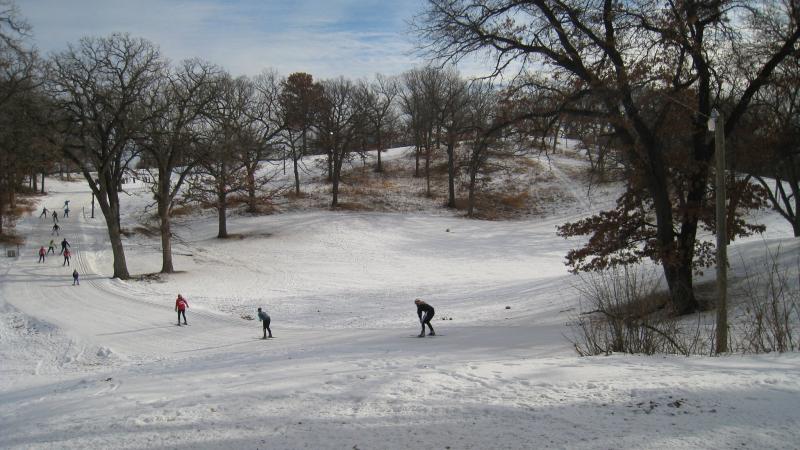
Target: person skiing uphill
{"x": 64, "y": 245}
{"x": 41, "y": 254}
{"x": 66, "y": 258}
{"x": 44, "y": 212}
{"x": 180, "y": 306}
{"x": 75, "y": 279}
{"x": 52, "y": 247}
{"x": 264, "y": 318}
{"x": 425, "y": 313}
{"x": 55, "y": 229}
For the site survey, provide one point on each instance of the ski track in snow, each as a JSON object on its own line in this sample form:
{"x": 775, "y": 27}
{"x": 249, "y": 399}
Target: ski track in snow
{"x": 103, "y": 365}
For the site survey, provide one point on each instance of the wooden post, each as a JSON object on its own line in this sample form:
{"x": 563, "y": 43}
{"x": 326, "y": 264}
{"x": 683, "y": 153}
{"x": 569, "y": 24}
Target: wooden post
{"x": 722, "y": 239}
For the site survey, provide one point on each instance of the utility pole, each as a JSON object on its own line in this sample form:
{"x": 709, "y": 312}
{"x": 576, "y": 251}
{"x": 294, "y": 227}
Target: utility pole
{"x": 717, "y": 124}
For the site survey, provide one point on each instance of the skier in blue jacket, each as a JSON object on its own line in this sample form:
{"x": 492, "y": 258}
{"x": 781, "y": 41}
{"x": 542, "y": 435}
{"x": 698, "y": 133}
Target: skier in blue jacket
{"x": 264, "y": 318}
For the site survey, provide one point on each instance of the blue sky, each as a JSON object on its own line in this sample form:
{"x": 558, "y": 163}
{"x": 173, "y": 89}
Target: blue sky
{"x": 327, "y": 38}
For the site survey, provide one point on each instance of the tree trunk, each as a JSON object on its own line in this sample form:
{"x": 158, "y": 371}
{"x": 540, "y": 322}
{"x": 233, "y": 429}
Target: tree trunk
{"x": 451, "y": 175}
{"x": 337, "y": 170}
{"x": 473, "y": 175}
{"x": 677, "y": 251}
{"x": 251, "y": 189}
{"x": 166, "y": 241}
{"x": 43, "y": 183}
{"x": 417, "y": 151}
{"x": 428, "y": 170}
{"x": 796, "y": 217}
{"x": 296, "y": 160}
{"x": 222, "y": 210}
{"x": 163, "y": 215}
{"x": 330, "y": 165}
{"x": 379, "y": 169}
{"x": 110, "y": 208}
{"x": 679, "y": 282}
{"x": 335, "y": 191}
{"x": 2, "y": 207}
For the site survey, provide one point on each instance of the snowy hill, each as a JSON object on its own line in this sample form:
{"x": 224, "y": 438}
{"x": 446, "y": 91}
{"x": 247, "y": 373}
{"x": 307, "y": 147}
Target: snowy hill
{"x": 103, "y": 365}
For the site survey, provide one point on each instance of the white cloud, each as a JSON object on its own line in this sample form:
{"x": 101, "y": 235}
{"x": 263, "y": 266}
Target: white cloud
{"x": 324, "y": 38}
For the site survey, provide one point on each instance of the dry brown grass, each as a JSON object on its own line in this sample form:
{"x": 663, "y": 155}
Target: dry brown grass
{"x": 462, "y": 203}
{"x": 235, "y": 201}
{"x": 352, "y": 206}
{"x": 359, "y": 175}
{"x": 517, "y": 200}
{"x": 292, "y": 195}
{"x": 25, "y": 205}
{"x": 439, "y": 168}
{"x": 11, "y": 239}
{"x": 499, "y": 205}
{"x": 528, "y": 162}
{"x": 184, "y": 210}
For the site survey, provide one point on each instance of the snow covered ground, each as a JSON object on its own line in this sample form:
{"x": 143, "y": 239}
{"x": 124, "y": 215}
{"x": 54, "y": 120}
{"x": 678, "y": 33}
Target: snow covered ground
{"x": 103, "y": 365}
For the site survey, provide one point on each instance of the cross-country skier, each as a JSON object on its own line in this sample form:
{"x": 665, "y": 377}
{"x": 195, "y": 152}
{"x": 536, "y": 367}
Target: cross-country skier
{"x": 75, "y": 279}
{"x": 66, "y": 257}
{"x": 44, "y": 212}
{"x": 55, "y": 216}
{"x": 64, "y": 245}
{"x": 66, "y": 212}
{"x": 52, "y": 247}
{"x": 264, "y": 318}
{"x": 55, "y": 229}
{"x": 41, "y": 254}
{"x": 180, "y": 306}
{"x": 425, "y": 313}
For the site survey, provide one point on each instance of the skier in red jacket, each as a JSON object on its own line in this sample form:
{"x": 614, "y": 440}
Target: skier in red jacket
{"x": 180, "y": 305}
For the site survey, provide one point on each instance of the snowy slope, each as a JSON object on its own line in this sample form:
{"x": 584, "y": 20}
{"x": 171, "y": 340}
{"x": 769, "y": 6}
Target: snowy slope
{"x": 102, "y": 365}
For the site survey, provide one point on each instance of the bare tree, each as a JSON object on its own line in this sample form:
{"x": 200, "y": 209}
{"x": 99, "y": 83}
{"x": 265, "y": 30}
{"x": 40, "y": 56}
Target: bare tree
{"x": 99, "y": 86}
{"x": 378, "y": 100}
{"x": 171, "y": 135}
{"x": 220, "y": 169}
{"x": 266, "y": 127}
{"x": 451, "y": 117}
{"x": 775, "y": 131}
{"x": 299, "y": 98}
{"x": 420, "y": 98}
{"x": 632, "y": 64}
{"x": 21, "y": 156}
{"x": 18, "y": 61}
{"x": 482, "y": 133}
{"x": 340, "y": 125}
{"x": 18, "y": 66}
{"x": 412, "y": 104}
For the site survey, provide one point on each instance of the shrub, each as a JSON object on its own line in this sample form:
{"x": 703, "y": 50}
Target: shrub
{"x": 515, "y": 200}
{"x": 771, "y": 312}
{"x": 627, "y": 314}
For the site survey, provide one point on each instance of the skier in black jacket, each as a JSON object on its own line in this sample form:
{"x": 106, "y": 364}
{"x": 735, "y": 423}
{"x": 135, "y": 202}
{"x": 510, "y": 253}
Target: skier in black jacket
{"x": 425, "y": 313}
{"x": 264, "y": 318}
